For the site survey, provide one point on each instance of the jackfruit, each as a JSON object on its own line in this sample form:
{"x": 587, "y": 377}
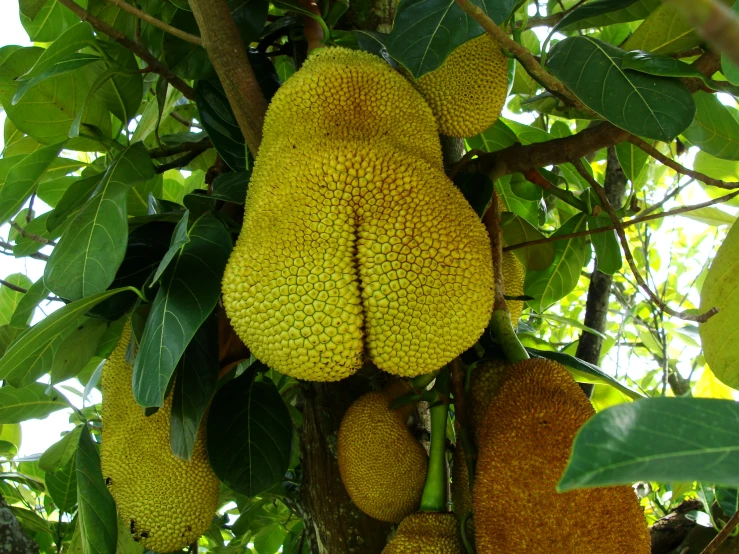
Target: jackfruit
{"x": 353, "y": 238}
{"x": 382, "y": 466}
{"x": 467, "y": 92}
{"x": 427, "y": 533}
{"x": 165, "y": 502}
{"x": 525, "y": 442}
{"x": 514, "y": 274}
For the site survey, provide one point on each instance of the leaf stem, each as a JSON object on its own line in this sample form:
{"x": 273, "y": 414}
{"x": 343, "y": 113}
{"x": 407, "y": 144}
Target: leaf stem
{"x": 434, "y": 492}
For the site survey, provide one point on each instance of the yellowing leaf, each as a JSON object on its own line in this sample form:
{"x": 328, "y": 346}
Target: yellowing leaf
{"x": 710, "y": 387}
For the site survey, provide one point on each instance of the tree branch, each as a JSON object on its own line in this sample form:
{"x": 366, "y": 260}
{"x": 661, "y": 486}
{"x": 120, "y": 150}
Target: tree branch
{"x": 35, "y": 238}
{"x": 151, "y": 20}
{"x": 627, "y": 251}
{"x": 8, "y": 251}
{"x": 719, "y": 539}
{"x": 182, "y": 161}
{"x": 200, "y": 147}
{"x": 222, "y": 41}
{"x": 154, "y": 64}
{"x": 11, "y": 286}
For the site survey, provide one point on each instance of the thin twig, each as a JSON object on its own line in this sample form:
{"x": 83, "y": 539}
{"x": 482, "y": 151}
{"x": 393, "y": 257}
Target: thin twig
{"x": 676, "y": 211}
{"x": 32, "y": 236}
{"x": 670, "y": 195}
{"x": 719, "y": 539}
{"x": 177, "y": 117}
{"x": 11, "y": 286}
{"x": 178, "y": 163}
{"x": 154, "y": 64}
{"x": 627, "y": 251}
{"x": 8, "y": 251}
{"x": 187, "y": 37}
{"x": 200, "y": 146}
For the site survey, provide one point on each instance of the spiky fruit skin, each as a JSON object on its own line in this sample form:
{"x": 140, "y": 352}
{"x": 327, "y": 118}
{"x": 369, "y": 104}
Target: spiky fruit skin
{"x": 427, "y": 533}
{"x": 382, "y": 466}
{"x": 524, "y": 446}
{"x": 467, "y": 92}
{"x": 165, "y": 502}
{"x": 514, "y": 274}
{"x": 353, "y": 237}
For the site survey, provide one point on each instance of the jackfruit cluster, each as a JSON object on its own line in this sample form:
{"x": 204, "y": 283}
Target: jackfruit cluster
{"x": 427, "y": 533}
{"x": 382, "y": 466}
{"x": 525, "y": 443}
{"x": 165, "y": 502}
{"x": 354, "y": 240}
{"x": 467, "y": 92}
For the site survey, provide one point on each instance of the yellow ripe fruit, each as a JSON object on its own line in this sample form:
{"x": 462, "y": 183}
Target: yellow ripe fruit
{"x": 427, "y": 533}
{"x": 165, "y": 502}
{"x": 382, "y": 466}
{"x": 354, "y": 240}
{"x": 514, "y": 274}
{"x": 468, "y": 90}
{"x": 524, "y": 446}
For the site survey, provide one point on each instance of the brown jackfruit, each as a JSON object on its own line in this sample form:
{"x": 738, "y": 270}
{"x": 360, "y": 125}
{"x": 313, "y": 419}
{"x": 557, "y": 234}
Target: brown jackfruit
{"x": 467, "y": 92}
{"x": 427, "y": 533}
{"x": 382, "y": 466}
{"x": 525, "y": 443}
{"x": 354, "y": 240}
{"x": 165, "y": 502}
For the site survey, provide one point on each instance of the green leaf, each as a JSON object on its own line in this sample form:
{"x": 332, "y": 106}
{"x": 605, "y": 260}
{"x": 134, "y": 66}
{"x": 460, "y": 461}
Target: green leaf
{"x": 231, "y": 187}
{"x": 189, "y": 291}
{"x": 71, "y": 41}
{"x": 249, "y": 434}
{"x": 62, "y": 484}
{"x": 25, "y": 246}
{"x": 638, "y": 442}
{"x": 34, "y": 401}
{"x": 590, "y": 11}
{"x": 517, "y": 230}
{"x": 96, "y": 513}
{"x": 220, "y": 123}
{"x": 50, "y": 22}
{"x": 665, "y": 31}
{"x": 197, "y": 374}
{"x": 715, "y": 128}
{"x": 122, "y": 93}
{"x": 477, "y": 189}
{"x": 606, "y": 245}
{"x": 648, "y": 106}
{"x": 9, "y": 298}
{"x": 711, "y": 216}
{"x": 23, "y": 178}
{"x": 719, "y": 333}
{"x": 8, "y": 335}
{"x": 61, "y": 452}
{"x": 632, "y": 159}
{"x": 76, "y": 349}
{"x": 603, "y": 15}
{"x": 180, "y": 238}
{"x": 494, "y": 138}
{"x": 93, "y": 246}
{"x": 185, "y": 59}
{"x": 425, "y": 32}
{"x": 76, "y": 196}
{"x": 27, "y": 305}
{"x": 30, "y": 520}
{"x": 561, "y": 277}
{"x": 23, "y": 362}
{"x": 71, "y": 63}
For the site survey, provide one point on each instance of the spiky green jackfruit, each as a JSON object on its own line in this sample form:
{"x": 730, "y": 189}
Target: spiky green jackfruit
{"x": 165, "y": 502}
{"x": 354, "y": 240}
{"x": 467, "y": 92}
{"x": 524, "y": 446}
{"x": 382, "y": 466}
{"x": 427, "y": 533}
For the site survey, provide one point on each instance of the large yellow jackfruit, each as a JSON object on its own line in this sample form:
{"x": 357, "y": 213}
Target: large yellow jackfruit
{"x": 382, "y": 465}
{"x": 427, "y": 533}
{"x": 525, "y": 442}
{"x": 353, "y": 238}
{"x": 165, "y": 502}
{"x": 468, "y": 90}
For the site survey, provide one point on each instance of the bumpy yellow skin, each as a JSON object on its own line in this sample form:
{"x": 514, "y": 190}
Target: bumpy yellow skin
{"x": 524, "y": 446}
{"x": 353, "y": 237}
{"x": 166, "y": 503}
{"x": 514, "y": 274}
{"x": 427, "y": 533}
{"x": 382, "y": 466}
{"x": 467, "y": 92}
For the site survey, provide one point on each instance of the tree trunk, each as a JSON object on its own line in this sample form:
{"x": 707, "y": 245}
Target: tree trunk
{"x": 13, "y": 538}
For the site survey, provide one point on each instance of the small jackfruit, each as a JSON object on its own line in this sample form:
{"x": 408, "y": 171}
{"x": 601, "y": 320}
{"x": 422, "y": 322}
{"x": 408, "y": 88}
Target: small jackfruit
{"x": 467, "y": 92}
{"x": 514, "y": 274}
{"x": 525, "y": 443}
{"x": 354, "y": 240}
{"x": 165, "y": 502}
{"x": 427, "y": 533}
{"x": 382, "y": 466}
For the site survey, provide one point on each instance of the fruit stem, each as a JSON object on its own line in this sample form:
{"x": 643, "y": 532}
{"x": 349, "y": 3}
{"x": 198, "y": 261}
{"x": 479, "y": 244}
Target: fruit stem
{"x": 423, "y": 381}
{"x": 500, "y": 325}
{"x": 434, "y": 492}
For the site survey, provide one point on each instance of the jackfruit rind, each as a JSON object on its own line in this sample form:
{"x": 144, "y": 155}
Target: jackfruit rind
{"x": 720, "y": 332}
{"x": 514, "y": 274}
{"x": 427, "y": 533}
{"x": 467, "y": 92}
{"x": 524, "y": 447}
{"x": 353, "y": 238}
{"x": 166, "y": 502}
{"x": 382, "y": 466}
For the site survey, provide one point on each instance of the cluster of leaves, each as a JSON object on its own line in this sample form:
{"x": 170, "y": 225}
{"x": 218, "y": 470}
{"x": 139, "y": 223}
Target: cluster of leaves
{"x": 126, "y": 187}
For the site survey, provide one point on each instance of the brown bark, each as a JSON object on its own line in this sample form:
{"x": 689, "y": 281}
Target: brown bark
{"x": 13, "y": 538}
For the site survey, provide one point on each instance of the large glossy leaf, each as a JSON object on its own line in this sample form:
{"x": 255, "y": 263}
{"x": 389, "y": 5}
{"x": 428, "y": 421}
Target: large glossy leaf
{"x": 425, "y": 32}
{"x": 632, "y": 160}
{"x": 220, "y": 122}
{"x": 34, "y": 401}
{"x": 9, "y": 298}
{"x": 23, "y": 178}
{"x": 648, "y": 106}
{"x": 27, "y": 304}
{"x": 590, "y": 11}
{"x": 189, "y": 291}
{"x": 59, "y": 453}
{"x": 122, "y": 93}
{"x": 23, "y": 362}
{"x": 657, "y": 439}
{"x": 719, "y": 334}
{"x": 715, "y": 129}
{"x": 494, "y": 138}
{"x": 96, "y": 514}
{"x": 606, "y": 245}
{"x": 249, "y": 435}
{"x": 665, "y": 31}
{"x": 62, "y": 485}
{"x": 231, "y": 187}
{"x": 93, "y": 246}
{"x": 71, "y": 41}
{"x": 76, "y": 196}
{"x": 631, "y": 11}
{"x": 72, "y": 62}
{"x": 517, "y": 230}
{"x": 49, "y": 22}
{"x": 561, "y": 277}
{"x": 75, "y": 351}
